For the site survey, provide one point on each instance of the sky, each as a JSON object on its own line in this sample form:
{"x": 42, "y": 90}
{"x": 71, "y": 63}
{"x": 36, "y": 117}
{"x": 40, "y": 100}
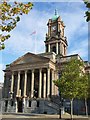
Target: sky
{"x": 21, "y": 41}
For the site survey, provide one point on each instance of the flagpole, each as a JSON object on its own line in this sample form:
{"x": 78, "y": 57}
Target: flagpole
{"x": 34, "y": 33}
{"x": 35, "y": 43}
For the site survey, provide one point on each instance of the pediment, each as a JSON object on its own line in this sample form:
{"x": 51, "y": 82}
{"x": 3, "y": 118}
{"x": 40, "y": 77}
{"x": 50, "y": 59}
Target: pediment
{"x": 52, "y": 38}
{"x": 29, "y": 58}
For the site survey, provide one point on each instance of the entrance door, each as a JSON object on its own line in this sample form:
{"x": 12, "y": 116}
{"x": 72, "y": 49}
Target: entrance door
{"x": 20, "y": 105}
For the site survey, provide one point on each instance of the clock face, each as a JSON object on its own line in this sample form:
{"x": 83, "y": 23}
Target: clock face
{"x": 53, "y": 28}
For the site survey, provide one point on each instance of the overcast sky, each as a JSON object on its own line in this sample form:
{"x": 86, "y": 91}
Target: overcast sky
{"x": 21, "y": 42}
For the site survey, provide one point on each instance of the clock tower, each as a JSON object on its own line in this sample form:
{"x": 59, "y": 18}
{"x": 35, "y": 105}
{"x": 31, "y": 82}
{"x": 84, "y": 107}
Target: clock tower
{"x": 55, "y": 39}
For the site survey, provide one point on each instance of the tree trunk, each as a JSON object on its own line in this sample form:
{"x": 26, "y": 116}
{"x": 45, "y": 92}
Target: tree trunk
{"x": 72, "y": 109}
{"x": 86, "y": 108}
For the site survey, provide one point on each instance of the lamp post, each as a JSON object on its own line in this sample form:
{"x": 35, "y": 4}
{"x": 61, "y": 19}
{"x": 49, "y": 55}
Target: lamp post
{"x": 11, "y": 98}
{"x": 60, "y": 103}
{"x": 35, "y": 93}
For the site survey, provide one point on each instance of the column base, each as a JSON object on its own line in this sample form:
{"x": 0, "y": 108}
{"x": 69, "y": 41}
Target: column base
{"x": 25, "y": 96}
{"x": 17, "y": 95}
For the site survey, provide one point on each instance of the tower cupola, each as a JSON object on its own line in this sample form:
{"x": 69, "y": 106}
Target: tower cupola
{"x": 55, "y": 16}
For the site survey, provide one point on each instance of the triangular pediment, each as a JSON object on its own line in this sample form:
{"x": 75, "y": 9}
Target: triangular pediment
{"x": 53, "y": 38}
{"x": 29, "y": 58}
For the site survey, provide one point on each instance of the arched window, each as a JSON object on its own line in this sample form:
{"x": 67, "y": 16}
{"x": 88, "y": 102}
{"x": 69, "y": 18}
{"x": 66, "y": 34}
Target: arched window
{"x": 54, "y": 49}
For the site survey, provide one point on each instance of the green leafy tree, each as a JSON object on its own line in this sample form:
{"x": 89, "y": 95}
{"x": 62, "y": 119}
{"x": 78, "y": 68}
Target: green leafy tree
{"x": 72, "y": 81}
{"x": 10, "y": 16}
{"x": 87, "y": 3}
{"x": 83, "y": 90}
{"x": 89, "y": 85}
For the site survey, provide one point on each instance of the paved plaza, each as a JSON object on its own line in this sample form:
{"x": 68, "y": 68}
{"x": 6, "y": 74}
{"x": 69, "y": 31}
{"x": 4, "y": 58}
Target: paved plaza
{"x": 43, "y": 119}
{"x": 20, "y": 116}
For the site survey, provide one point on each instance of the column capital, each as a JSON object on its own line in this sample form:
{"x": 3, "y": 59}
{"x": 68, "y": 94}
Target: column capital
{"x": 19, "y": 72}
{"x": 52, "y": 70}
{"x": 32, "y": 70}
{"x": 12, "y": 72}
{"x": 48, "y": 68}
{"x": 26, "y": 71}
{"x": 40, "y": 69}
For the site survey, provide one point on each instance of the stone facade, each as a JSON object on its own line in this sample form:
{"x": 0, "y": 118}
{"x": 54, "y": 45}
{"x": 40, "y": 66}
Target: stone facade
{"x": 28, "y": 81}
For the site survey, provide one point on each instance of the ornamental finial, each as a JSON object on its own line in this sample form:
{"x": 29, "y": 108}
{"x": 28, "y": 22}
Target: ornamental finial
{"x": 56, "y": 13}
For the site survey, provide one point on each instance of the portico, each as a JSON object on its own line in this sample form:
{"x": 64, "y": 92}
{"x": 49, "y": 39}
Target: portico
{"x": 39, "y": 80}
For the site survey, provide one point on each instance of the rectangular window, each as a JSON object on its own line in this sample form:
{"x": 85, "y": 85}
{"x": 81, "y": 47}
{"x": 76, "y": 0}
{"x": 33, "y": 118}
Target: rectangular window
{"x": 37, "y": 103}
{"x": 29, "y": 103}
{"x": 46, "y": 48}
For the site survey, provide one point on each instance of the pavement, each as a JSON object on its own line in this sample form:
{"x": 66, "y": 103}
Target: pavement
{"x": 25, "y": 116}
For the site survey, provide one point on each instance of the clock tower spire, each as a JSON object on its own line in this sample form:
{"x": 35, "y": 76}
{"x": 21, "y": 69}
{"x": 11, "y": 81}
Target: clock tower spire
{"x": 55, "y": 39}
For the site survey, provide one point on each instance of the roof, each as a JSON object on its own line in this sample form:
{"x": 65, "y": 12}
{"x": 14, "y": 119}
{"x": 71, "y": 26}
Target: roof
{"x": 29, "y": 58}
{"x": 55, "y": 17}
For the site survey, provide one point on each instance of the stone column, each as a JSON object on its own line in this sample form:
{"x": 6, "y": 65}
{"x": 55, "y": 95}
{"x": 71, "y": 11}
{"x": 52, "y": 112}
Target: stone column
{"x": 40, "y": 83}
{"x": 56, "y": 77}
{"x": 48, "y": 47}
{"x": 49, "y": 30}
{"x": 18, "y": 84}
{"x": 65, "y": 50}
{"x": 60, "y": 48}
{"x": 25, "y": 84}
{"x": 63, "y": 31}
{"x": 32, "y": 84}
{"x": 57, "y": 48}
{"x": 12, "y": 82}
{"x": 44, "y": 87}
{"x": 48, "y": 84}
{"x": 53, "y": 86}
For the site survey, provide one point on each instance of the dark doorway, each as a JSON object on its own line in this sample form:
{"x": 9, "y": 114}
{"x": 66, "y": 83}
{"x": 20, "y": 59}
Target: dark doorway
{"x": 6, "y": 104}
{"x": 36, "y": 85}
{"x": 20, "y": 105}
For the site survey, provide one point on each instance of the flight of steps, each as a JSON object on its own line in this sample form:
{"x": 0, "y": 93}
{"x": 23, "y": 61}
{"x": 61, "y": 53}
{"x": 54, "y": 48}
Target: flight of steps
{"x": 46, "y": 106}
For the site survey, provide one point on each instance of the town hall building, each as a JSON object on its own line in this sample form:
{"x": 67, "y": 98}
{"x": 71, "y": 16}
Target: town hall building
{"x": 28, "y": 81}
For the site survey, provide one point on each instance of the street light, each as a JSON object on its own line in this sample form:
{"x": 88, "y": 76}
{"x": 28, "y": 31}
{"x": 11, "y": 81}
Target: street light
{"x": 35, "y": 94}
{"x": 11, "y": 98}
{"x": 59, "y": 104}
{"x": 60, "y": 98}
